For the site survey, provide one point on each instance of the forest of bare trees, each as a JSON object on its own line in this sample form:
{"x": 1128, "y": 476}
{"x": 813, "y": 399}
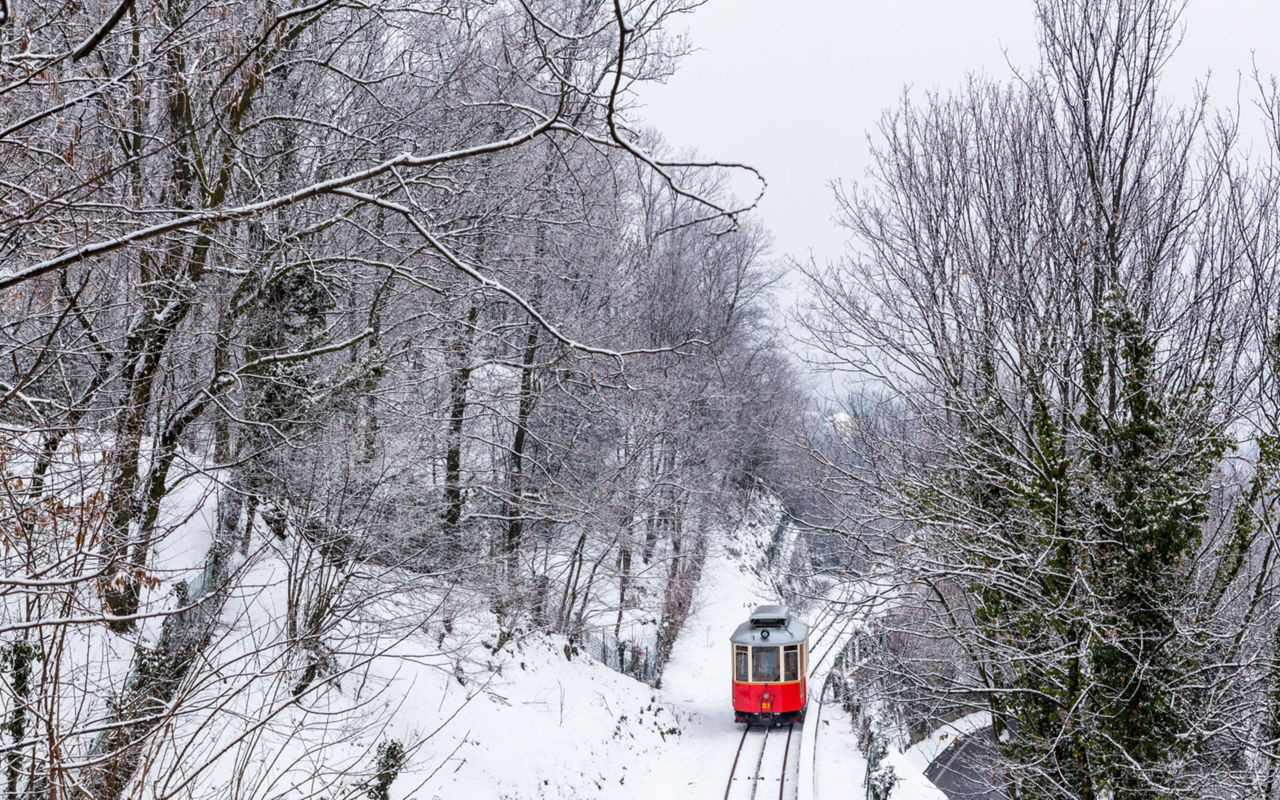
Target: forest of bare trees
{"x": 402, "y": 299}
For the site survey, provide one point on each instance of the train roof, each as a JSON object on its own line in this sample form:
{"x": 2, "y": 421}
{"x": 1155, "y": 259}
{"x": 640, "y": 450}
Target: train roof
{"x": 771, "y": 625}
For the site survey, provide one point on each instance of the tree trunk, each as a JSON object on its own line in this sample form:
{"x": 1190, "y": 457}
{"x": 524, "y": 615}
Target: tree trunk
{"x": 459, "y": 383}
{"x": 515, "y": 506}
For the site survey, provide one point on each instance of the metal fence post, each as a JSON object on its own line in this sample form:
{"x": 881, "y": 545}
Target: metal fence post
{"x": 867, "y": 780}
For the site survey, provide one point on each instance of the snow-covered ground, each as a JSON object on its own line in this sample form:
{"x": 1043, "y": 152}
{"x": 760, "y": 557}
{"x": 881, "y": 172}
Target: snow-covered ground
{"x": 417, "y": 664}
{"x": 573, "y": 728}
{"x": 536, "y": 719}
{"x": 548, "y": 726}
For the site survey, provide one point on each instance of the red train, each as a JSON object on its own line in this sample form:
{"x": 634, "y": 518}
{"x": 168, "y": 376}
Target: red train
{"x": 770, "y": 664}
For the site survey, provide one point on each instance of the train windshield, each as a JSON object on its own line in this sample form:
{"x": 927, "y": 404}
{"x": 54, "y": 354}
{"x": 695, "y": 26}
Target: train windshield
{"x": 764, "y": 664}
{"x": 791, "y": 663}
{"x": 740, "y": 663}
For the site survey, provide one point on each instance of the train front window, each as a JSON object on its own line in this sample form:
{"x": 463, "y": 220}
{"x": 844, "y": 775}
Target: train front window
{"x": 740, "y": 663}
{"x": 791, "y": 663}
{"x": 764, "y": 664}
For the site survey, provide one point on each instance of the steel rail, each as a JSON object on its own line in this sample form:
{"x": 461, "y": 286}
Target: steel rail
{"x": 729, "y": 787}
{"x": 786, "y": 753}
{"x": 764, "y": 745}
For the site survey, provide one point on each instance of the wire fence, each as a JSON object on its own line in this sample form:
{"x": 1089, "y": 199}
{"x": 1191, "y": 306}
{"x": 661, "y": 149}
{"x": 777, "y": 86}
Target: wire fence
{"x": 622, "y": 655}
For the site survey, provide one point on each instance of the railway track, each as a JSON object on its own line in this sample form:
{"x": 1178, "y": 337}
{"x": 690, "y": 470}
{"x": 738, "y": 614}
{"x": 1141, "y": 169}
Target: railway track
{"x": 774, "y": 763}
{"x": 766, "y": 763}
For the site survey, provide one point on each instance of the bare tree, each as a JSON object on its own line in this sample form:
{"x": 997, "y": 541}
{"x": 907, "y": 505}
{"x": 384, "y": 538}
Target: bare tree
{"x": 1046, "y": 311}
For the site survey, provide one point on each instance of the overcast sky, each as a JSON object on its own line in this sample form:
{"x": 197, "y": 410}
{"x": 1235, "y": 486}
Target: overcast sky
{"x": 793, "y": 87}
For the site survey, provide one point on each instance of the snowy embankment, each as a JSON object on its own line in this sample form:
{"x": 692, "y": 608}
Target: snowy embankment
{"x": 539, "y": 719}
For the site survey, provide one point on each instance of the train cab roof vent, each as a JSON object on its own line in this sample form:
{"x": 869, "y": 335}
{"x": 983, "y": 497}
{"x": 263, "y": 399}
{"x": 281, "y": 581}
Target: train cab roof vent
{"x": 770, "y": 617}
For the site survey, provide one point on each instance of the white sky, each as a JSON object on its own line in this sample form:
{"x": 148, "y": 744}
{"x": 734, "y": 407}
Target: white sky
{"x": 794, "y": 86}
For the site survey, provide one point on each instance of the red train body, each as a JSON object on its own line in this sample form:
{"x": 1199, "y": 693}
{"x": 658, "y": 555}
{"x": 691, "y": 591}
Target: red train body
{"x": 770, "y": 667}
